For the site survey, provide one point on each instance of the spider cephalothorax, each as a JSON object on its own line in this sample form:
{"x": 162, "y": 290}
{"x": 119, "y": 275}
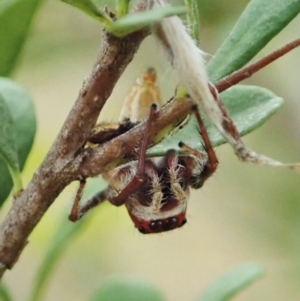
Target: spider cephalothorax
{"x": 155, "y": 190}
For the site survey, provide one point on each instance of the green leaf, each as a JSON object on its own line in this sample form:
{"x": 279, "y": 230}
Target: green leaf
{"x": 134, "y": 22}
{"x": 62, "y": 238}
{"x": 21, "y": 109}
{"x": 15, "y": 20}
{"x": 248, "y": 106}
{"x": 8, "y": 147}
{"x": 122, "y": 8}
{"x": 127, "y": 289}
{"x": 66, "y": 232}
{"x": 193, "y": 19}
{"x": 5, "y": 294}
{"x": 90, "y": 8}
{"x": 259, "y": 23}
{"x": 229, "y": 284}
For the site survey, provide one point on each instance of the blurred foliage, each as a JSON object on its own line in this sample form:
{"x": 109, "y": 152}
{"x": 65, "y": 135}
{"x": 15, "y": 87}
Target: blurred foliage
{"x": 127, "y": 289}
{"x": 231, "y": 283}
{"x": 281, "y": 213}
{"x": 18, "y": 122}
{"x": 14, "y": 33}
{"x": 211, "y": 13}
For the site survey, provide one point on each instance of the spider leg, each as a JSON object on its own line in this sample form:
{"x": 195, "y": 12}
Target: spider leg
{"x": 74, "y": 211}
{"x": 231, "y": 134}
{"x": 212, "y": 164}
{"x": 78, "y": 211}
{"x": 139, "y": 178}
{"x": 105, "y": 131}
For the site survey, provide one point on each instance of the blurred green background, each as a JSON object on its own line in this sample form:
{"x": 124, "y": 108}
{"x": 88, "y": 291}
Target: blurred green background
{"x": 244, "y": 212}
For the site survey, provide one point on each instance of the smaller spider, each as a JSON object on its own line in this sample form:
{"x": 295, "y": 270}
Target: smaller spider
{"x": 155, "y": 190}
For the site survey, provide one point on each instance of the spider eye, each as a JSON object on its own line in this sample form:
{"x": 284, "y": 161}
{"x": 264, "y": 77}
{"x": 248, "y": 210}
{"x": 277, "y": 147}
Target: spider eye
{"x": 156, "y": 226}
{"x": 171, "y": 223}
{"x": 142, "y": 230}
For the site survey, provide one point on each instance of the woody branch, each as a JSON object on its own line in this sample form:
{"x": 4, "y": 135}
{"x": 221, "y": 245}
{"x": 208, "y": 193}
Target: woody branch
{"x": 67, "y": 160}
{"x": 58, "y": 169}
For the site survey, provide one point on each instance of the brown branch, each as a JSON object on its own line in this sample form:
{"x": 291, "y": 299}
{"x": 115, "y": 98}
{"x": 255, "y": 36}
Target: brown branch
{"x": 92, "y": 161}
{"x": 247, "y": 71}
{"x": 57, "y": 170}
{"x": 68, "y": 161}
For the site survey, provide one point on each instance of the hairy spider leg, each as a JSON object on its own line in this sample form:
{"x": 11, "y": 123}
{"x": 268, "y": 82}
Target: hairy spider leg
{"x": 74, "y": 211}
{"x": 105, "y": 131}
{"x": 96, "y": 200}
{"x": 139, "y": 178}
{"x": 213, "y": 162}
{"x": 228, "y": 124}
{"x": 77, "y": 212}
{"x": 233, "y": 137}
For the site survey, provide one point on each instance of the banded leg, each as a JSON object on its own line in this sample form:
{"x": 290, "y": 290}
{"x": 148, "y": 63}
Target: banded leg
{"x": 212, "y": 164}
{"x": 229, "y": 131}
{"x": 74, "y": 211}
{"x": 138, "y": 180}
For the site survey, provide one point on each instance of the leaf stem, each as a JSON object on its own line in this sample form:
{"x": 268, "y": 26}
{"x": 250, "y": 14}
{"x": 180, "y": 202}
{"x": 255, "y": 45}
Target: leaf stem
{"x": 16, "y": 177}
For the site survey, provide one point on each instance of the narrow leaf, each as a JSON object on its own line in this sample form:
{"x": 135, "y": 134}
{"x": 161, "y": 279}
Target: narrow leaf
{"x": 248, "y": 106}
{"x": 66, "y": 232}
{"x": 62, "y": 238}
{"x": 134, "y": 22}
{"x": 90, "y": 8}
{"x": 259, "y": 23}
{"x": 5, "y": 294}
{"x": 21, "y": 109}
{"x": 229, "y": 284}
{"x": 127, "y": 289}
{"x": 15, "y": 20}
{"x": 193, "y": 19}
{"x": 122, "y": 8}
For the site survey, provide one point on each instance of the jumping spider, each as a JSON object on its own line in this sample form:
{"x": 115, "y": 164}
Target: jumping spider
{"x": 155, "y": 190}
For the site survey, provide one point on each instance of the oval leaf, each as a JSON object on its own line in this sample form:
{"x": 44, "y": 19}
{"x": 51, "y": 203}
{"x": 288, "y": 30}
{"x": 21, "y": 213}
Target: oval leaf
{"x": 134, "y": 22}
{"x": 22, "y": 111}
{"x": 248, "y": 106}
{"x": 231, "y": 283}
{"x": 8, "y": 148}
{"x": 15, "y": 19}
{"x": 259, "y": 23}
{"x": 127, "y": 289}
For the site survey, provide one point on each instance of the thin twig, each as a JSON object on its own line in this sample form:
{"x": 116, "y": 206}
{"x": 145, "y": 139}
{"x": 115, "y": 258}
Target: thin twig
{"x": 247, "y": 71}
{"x": 93, "y": 161}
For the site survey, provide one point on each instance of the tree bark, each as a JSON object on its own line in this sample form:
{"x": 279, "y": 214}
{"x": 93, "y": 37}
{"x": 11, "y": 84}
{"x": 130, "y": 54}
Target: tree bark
{"x": 58, "y": 170}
